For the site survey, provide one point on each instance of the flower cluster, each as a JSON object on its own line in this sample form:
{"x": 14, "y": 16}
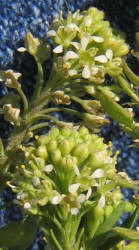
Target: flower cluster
{"x": 85, "y": 46}
{"x": 67, "y": 166}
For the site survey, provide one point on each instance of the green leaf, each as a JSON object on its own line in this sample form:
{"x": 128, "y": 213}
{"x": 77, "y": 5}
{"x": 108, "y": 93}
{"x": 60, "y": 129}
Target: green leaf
{"x": 114, "y": 110}
{"x": 126, "y": 86}
{"x": 126, "y": 233}
{"x": 18, "y": 233}
{"x": 110, "y": 222}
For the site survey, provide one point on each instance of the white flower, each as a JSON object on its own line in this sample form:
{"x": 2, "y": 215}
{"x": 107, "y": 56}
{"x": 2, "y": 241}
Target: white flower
{"x": 70, "y": 55}
{"x": 48, "y": 168}
{"x": 102, "y": 201}
{"x": 101, "y": 58}
{"x": 94, "y": 70}
{"x": 21, "y": 49}
{"x": 73, "y": 188}
{"x": 98, "y": 39}
{"x": 109, "y": 54}
{"x": 56, "y": 199}
{"x": 35, "y": 181}
{"x": 27, "y": 205}
{"x": 81, "y": 198}
{"x": 51, "y": 33}
{"x": 73, "y": 27}
{"x": 84, "y": 41}
{"x": 74, "y": 210}
{"x": 58, "y": 49}
{"x": 76, "y": 45}
{"x": 89, "y": 192}
{"x": 76, "y": 170}
{"x": 98, "y": 173}
{"x": 72, "y": 72}
{"x": 86, "y": 72}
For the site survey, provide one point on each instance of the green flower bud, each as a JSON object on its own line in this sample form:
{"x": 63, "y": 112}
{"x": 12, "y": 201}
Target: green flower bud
{"x": 128, "y": 207}
{"x": 56, "y": 156}
{"x": 107, "y": 211}
{"x": 66, "y": 132}
{"x": 81, "y": 152}
{"x": 42, "y": 152}
{"x": 52, "y": 145}
{"x": 64, "y": 147}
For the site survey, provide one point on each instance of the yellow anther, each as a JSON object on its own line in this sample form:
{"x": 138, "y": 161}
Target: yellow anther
{"x": 17, "y": 167}
{"x": 23, "y": 166}
{"x": 22, "y": 147}
{"x": 8, "y": 182}
{"x": 30, "y": 134}
{"x": 36, "y": 137}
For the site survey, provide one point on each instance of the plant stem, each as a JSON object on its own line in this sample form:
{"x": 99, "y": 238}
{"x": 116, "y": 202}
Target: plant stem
{"x": 40, "y": 79}
{"x": 24, "y": 99}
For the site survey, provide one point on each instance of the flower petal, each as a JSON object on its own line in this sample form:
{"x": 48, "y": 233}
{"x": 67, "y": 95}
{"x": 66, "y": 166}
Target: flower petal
{"x": 72, "y": 72}
{"x": 73, "y": 188}
{"x": 76, "y": 170}
{"x": 86, "y": 72}
{"x": 51, "y": 33}
{"x": 58, "y": 49}
{"x": 21, "y": 49}
{"x": 48, "y": 168}
{"x": 98, "y": 39}
{"x": 109, "y": 54}
{"x": 81, "y": 198}
{"x": 74, "y": 210}
{"x": 101, "y": 59}
{"x": 98, "y": 173}
{"x": 70, "y": 55}
{"x": 102, "y": 201}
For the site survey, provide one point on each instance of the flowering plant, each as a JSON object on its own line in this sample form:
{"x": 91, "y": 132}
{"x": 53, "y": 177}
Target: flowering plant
{"x": 65, "y": 180}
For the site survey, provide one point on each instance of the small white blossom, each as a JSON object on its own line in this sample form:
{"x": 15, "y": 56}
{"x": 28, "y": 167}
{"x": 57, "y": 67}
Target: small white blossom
{"x": 102, "y": 201}
{"x": 21, "y": 49}
{"x": 94, "y": 70}
{"x": 81, "y": 198}
{"x": 74, "y": 210}
{"x": 48, "y": 168}
{"x": 70, "y": 55}
{"x": 98, "y": 173}
{"x": 56, "y": 199}
{"x": 73, "y": 27}
{"x": 89, "y": 192}
{"x": 58, "y": 49}
{"x": 109, "y": 54}
{"x": 73, "y": 188}
{"x": 76, "y": 170}
{"x": 76, "y": 45}
{"x": 72, "y": 72}
{"x": 27, "y": 205}
{"x": 86, "y": 72}
{"x": 101, "y": 58}
{"x": 35, "y": 181}
{"x": 98, "y": 39}
{"x": 51, "y": 33}
{"x": 84, "y": 42}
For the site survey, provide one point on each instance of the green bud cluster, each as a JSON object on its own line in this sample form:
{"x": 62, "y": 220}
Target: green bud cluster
{"x": 86, "y": 46}
{"x": 67, "y": 167}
